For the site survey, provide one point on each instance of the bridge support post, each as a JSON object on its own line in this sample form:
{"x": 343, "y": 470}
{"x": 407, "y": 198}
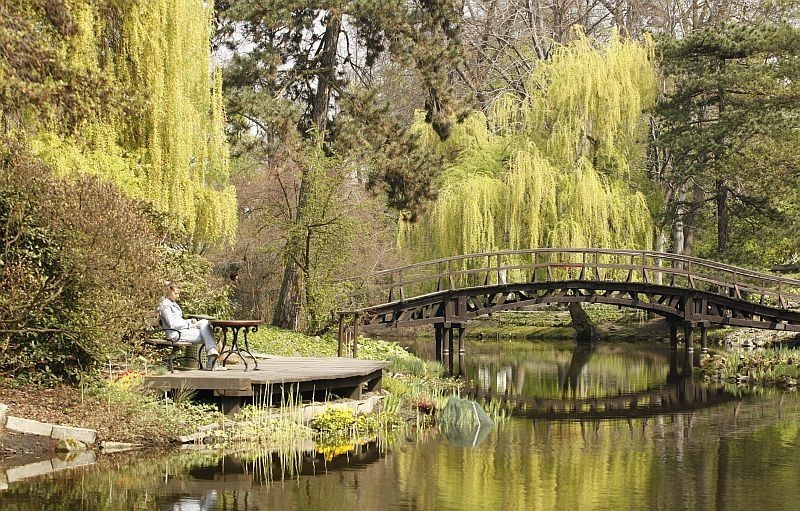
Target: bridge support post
{"x": 673, "y": 374}
{"x": 461, "y": 331}
{"x": 437, "y": 332}
{"x": 450, "y": 340}
{"x": 688, "y": 340}
{"x": 673, "y": 337}
{"x": 341, "y": 334}
{"x": 450, "y": 367}
{"x": 703, "y": 339}
{"x": 356, "y": 321}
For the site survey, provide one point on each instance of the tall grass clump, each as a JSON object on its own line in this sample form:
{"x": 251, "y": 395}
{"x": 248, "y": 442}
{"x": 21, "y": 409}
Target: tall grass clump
{"x": 400, "y": 360}
{"x": 766, "y": 366}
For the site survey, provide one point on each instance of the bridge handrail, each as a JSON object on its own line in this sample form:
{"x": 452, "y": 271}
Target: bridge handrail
{"x": 605, "y": 251}
{"x": 687, "y": 267}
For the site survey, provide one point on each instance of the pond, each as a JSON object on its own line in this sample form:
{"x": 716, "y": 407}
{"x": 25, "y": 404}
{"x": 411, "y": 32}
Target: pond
{"x": 613, "y": 427}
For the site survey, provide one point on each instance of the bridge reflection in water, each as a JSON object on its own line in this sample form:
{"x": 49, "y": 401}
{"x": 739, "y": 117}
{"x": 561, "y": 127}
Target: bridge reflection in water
{"x": 568, "y": 398}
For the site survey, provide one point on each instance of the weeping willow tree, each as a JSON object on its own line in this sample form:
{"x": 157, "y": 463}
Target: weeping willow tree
{"x": 166, "y": 142}
{"x": 556, "y": 167}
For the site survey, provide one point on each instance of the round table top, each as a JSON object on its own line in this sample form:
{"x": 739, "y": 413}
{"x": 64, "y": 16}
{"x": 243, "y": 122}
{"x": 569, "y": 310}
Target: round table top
{"x": 235, "y": 322}
{"x": 201, "y": 316}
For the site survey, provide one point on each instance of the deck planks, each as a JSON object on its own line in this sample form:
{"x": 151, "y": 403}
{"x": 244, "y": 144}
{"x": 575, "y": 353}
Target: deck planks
{"x": 278, "y": 372}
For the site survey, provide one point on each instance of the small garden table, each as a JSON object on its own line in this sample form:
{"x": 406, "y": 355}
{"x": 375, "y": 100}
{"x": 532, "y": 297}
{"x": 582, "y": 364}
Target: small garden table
{"x": 234, "y": 326}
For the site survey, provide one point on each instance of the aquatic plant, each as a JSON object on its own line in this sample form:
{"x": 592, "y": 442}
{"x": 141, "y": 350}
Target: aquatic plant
{"x": 765, "y": 366}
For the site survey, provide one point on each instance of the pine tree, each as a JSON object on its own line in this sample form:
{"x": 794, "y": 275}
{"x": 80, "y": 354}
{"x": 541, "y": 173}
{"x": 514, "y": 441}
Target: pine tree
{"x": 733, "y": 103}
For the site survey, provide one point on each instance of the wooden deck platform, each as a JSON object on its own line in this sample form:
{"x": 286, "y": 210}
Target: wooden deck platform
{"x": 314, "y": 378}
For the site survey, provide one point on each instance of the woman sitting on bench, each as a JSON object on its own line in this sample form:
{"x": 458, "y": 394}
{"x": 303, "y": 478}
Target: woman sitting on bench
{"x": 191, "y": 330}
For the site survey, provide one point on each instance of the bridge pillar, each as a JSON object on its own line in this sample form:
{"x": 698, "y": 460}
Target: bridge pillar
{"x": 703, "y": 339}
{"x": 461, "y": 331}
{"x": 340, "y": 351}
{"x": 688, "y": 336}
{"x": 356, "y": 320}
{"x": 437, "y": 332}
{"x": 688, "y": 340}
{"x": 673, "y": 374}
{"x": 673, "y": 337}
{"x": 449, "y": 348}
{"x": 447, "y": 338}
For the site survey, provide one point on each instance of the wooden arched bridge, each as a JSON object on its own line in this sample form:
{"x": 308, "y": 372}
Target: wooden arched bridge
{"x": 688, "y": 291}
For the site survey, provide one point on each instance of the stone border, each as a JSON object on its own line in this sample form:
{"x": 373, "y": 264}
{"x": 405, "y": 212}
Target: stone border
{"x": 32, "y": 427}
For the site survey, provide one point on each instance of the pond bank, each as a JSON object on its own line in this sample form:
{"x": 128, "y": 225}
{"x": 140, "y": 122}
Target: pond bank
{"x": 117, "y": 408}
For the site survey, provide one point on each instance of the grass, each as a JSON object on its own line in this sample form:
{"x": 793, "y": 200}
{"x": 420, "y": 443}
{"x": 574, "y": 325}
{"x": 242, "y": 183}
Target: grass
{"x": 766, "y": 366}
{"x": 129, "y": 412}
{"x": 277, "y": 341}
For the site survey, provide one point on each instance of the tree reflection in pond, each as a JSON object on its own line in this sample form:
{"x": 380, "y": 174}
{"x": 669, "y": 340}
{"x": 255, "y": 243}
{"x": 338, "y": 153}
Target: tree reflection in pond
{"x": 734, "y": 454}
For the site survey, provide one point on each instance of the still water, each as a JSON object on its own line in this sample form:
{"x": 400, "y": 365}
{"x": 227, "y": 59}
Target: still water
{"x": 614, "y": 427}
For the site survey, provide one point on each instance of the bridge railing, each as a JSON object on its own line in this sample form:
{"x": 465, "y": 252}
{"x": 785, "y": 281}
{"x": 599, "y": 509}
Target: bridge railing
{"x": 563, "y": 264}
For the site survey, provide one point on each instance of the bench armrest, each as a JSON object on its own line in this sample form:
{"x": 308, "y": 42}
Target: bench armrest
{"x": 162, "y": 332}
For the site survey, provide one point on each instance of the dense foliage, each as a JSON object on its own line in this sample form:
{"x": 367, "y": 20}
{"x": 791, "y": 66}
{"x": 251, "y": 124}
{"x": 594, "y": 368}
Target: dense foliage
{"x": 556, "y": 166}
{"x": 73, "y": 274}
{"x": 97, "y": 93}
{"x": 113, "y": 172}
{"x": 729, "y": 131}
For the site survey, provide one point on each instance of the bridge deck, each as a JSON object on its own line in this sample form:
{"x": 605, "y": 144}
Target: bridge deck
{"x": 341, "y": 377}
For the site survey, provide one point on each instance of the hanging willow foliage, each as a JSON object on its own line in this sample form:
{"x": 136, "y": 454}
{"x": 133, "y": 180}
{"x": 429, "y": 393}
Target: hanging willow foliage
{"x": 554, "y": 168}
{"x": 172, "y": 151}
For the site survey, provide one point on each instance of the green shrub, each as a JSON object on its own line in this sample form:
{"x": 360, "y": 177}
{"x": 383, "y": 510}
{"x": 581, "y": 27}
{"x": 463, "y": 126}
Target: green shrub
{"x": 79, "y": 263}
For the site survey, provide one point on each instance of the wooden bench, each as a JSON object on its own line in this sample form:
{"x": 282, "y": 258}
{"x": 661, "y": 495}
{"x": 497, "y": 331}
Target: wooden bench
{"x": 157, "y": 337}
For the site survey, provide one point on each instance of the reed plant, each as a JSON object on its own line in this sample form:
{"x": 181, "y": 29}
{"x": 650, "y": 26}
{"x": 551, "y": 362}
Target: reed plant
{"x": 766, "y": 366}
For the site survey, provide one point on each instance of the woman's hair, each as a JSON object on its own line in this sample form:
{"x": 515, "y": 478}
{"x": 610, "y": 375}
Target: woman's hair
{"x": 171, "y": 285}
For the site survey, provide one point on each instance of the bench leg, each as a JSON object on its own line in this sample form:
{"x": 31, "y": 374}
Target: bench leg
{"x": 200, "y": 352}
{"x": 171, "y": 359}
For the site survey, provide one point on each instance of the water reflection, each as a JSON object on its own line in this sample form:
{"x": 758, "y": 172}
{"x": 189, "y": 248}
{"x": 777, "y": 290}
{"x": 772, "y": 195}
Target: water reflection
{"x": 240, "y": 470}
{"x": 590, "y": 382}
{"x": 206, "y": 502}
{"x": 672, "y": 444}
{"x": 562, "y": 370}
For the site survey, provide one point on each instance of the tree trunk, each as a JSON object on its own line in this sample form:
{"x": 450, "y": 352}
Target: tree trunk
{"x": 678, "y": 240}
{"x": 689, "y": 226}
{"x": 327, "y": 72}
{"x": 722, "y": 218}
{"x": 582, "y": 324}
{"x": 287, "y": 309}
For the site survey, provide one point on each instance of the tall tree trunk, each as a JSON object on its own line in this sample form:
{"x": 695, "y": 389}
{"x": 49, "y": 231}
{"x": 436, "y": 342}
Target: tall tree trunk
{"x": 722, "y": 218}
{"x": 585, "y": 329}
{"x": 680, "y": 213}
{"x": 287, "y": 308}
{"x": 327, "y": 71}
{"x": 721, "y": 187}
{"x": 690, "y": 225}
